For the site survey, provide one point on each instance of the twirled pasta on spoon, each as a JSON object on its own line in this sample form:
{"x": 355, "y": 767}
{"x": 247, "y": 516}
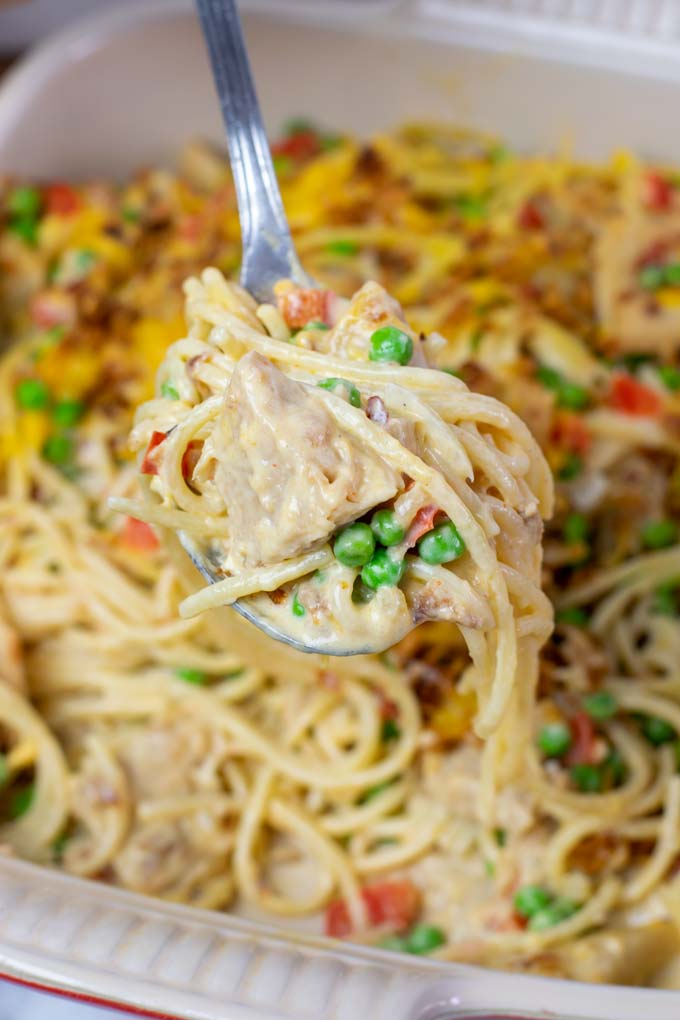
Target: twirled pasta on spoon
{"x": 344, "y": 489}
{"x": 326, "y": 482}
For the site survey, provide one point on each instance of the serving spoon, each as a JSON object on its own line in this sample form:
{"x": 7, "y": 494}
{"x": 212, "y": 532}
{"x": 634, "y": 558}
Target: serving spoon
{"x": 268, "y": 251}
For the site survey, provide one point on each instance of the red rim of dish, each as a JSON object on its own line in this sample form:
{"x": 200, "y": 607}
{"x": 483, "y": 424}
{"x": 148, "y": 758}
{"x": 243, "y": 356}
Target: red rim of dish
{"x": 88, "y": 999}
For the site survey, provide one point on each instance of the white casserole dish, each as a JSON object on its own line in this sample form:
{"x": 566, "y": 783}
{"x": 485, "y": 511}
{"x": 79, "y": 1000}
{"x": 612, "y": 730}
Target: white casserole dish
{"x": 127, "y": 87}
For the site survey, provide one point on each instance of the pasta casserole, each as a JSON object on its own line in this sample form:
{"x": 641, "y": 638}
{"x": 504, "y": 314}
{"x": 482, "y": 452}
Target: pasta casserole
{"x": 439, "y": 796}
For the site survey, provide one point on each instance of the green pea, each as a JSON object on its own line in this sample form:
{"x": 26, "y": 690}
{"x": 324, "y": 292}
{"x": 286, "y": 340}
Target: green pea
{"x": 24, "y": 228}
{"x": 572, "y": 396}
{"x": 315, "y": 324}
{"x": 423, "y": 938}
{"x": 659, "y": 534}
{"x": 442, "y": 544}
{"x": 600, "y": 705}
{"x": 382, "y": 569}
{"x": 530, "y": 899}
{"x": 354, "y": 545}
{"x": 665, "y": 599}
{"x": 569, "y": 394}
{"x": 348, "y": 388}
{"x": 32, "y": 394}
{"x": 374, "y": 791}
{"x": 169, "y": 390}
{"x": 129, "y": 214}
{"x": 191, "y": 676}
{"x": 390, "y": 731}
{"x": 657, "y": 731}
{"x": 670, "y": 376}
{"x": 387, "y": 527}
{"x": 574, "y": 616}
{"x": 633, "y": 361}
{"x": 501, "y": 837}
{"x": 21, "y": 801}
{"x": 59, "y": 449}
{"x": 297, "y": 608}
{"x": 283, "y": 165}
{"x": 391, "y": 344}
{"x": 651, "y": 277}
{"x": 24, "y": 201}
{"x": 576, "y": 528}
{"x": 551, "y": 379}
{"x": 587, "y": 778}
{"x": 395, "y": 943}
{"x": 554, "y": 739}
{"x": 471, "y": 207}
{"x": 68, "y": 412}
{"x": 342, "y": 247}
{"x": 671, "y": 274}
{"x": 571, "y": 468}
{"x": 59, "y": 846}
{"x": 614, "y": 768}
{"x": 557, "y": 911}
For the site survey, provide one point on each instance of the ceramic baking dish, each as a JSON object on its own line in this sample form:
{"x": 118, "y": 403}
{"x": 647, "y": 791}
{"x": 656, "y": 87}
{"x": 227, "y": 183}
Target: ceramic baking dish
{"x": 127, "y": 87}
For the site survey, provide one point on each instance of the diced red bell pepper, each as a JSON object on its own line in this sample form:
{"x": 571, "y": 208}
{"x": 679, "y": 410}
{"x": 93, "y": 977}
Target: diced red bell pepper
{"x": 390, "y": 903}
{"x": 53, "y": 307}
{"x": 149, "y": 465}
{"x": 632, "y": 397}
{"x": 657, "y": 192}
{"x": 421, "y": 523}
{"x": 530, "y": 216}
{"x": 190, "y": 458}
{"x": 299, "y": 145}
{"x": 189, "y": 228}
{"x": 138, "y": 535}
{"x": 583, "y": 735}
{"x": 61, "y": 199}
{"x": 302, "y": 305}
{"x": 571, "y": 433}
{"x": 389, "y": 709}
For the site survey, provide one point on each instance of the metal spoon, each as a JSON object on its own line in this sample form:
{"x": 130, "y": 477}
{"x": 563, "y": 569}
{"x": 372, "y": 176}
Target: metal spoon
{"x": 268, "y": 251}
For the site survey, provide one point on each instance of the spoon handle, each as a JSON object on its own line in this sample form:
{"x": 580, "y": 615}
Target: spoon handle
{"x": 268, "y": 251}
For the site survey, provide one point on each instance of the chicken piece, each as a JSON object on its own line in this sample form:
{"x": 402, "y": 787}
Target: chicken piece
{"x": 456, "y": 600}
{"x": 162, "y": 760}
{"x": 371, "y": 308}
{"x": 288, "y": 474}
{"x": 619, "y": 956}
{"x": 638, "y": 319}
{"x": 154, "y": 858}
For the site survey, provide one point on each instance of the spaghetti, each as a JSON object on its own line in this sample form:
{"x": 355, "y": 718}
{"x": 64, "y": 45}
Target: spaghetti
{"x": 190, "y": 759}
{"x": 255, "y": 441}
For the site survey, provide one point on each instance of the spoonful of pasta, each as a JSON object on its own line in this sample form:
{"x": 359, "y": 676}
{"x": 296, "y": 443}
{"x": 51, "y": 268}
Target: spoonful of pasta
{"x": 328, "y": 484}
